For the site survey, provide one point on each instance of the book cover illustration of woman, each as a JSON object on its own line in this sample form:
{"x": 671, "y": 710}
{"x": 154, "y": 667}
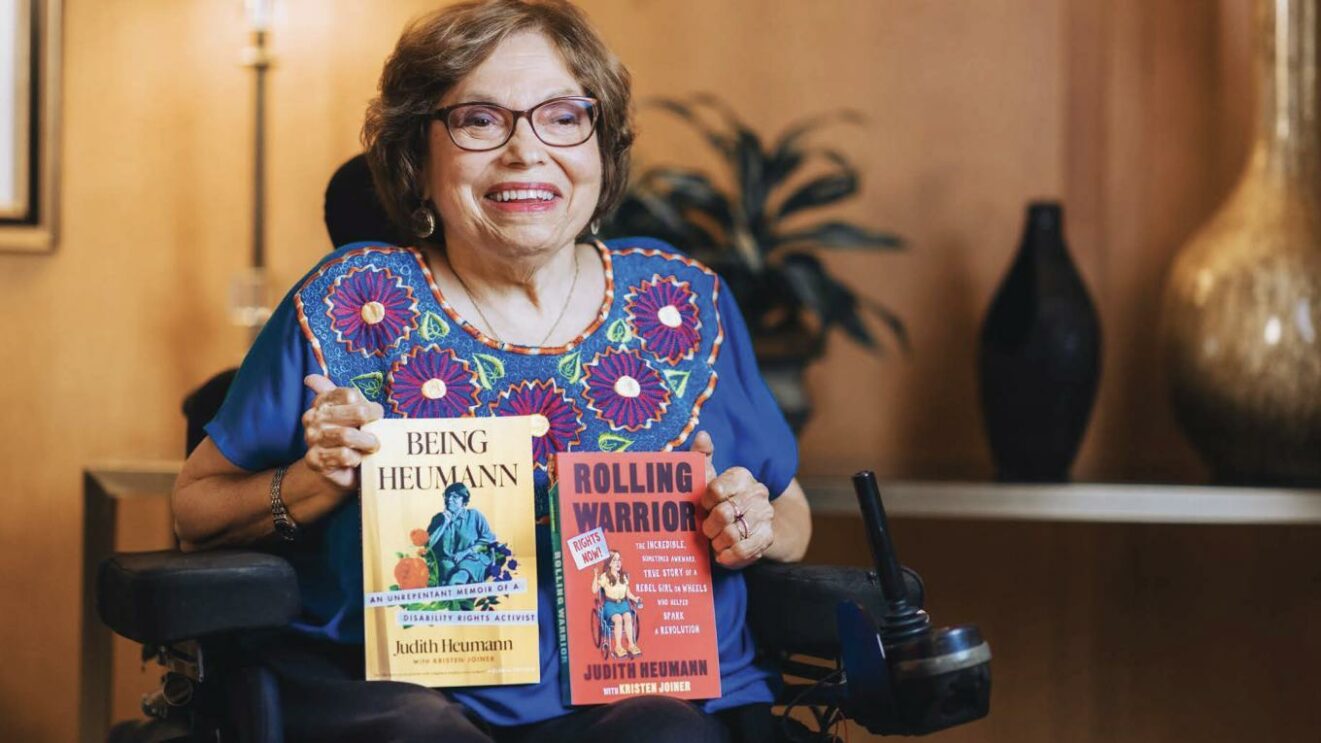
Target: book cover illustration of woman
{"x": 619, "y": 606}
{"x": 458, "y": 547}
{"x": 461, "y": 539}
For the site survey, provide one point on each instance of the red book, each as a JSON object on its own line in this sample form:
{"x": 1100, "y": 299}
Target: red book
{"x": 633, "y": 573}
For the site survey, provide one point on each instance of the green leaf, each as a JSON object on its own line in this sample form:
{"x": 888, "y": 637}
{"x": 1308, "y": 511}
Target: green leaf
{"x": 690, "y": 189}
{"x": 676, "y": 380}
{"x": 838, "y": 183}
{"x": 718, "y": 139}
{"x": 394, "y": 587}
{"x": 840, "y": 235}
{"x": 786, "y": 155}
{"x": 834, "y": 303}
{"x": 370, "y": 384}
{"x": 610, "y": 442}
{"x": 826, "y": 189}
{"x": 807, "y": 278}
{"x": 665, "y": 213}
{"x": 571, "y": 367}
{"x": 891, "y": 321}
{"x": 710, "y": 101}
{"x": 849, "y": 318}
{"x": 490, "y": 369}
{"x": 643, "y": 212}
{"x": 781, "y": 166}
{"x": 619, "y": 331}
{"x": 433, "y": 327}
{"x": 751, "y": 168}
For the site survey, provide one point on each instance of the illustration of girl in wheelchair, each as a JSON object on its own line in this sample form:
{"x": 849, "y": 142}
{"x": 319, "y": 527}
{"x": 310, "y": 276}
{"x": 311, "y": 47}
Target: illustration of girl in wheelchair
{"x": 616, "y": 610}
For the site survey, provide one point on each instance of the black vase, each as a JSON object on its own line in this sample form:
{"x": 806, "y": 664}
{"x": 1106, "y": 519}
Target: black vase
{"x": 1040, "y": 356}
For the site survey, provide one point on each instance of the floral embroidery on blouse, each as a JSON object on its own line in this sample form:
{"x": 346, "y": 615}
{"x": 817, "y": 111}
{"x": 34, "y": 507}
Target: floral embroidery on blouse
{"x": 432, "y": 382}
{"x": 556, "y": 419}
{"x": 624, "y": 390}
{"x": 371, "y": 310}
{"x": 664, "y": 312}
{"x": 644, "y": 367}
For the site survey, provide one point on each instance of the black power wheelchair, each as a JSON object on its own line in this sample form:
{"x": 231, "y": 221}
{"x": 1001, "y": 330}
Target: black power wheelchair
{"x": 851, "y": 643}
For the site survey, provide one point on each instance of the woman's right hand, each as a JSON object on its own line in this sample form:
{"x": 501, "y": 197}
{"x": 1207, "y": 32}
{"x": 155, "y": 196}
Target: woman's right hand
{"x": 332, "y": 428}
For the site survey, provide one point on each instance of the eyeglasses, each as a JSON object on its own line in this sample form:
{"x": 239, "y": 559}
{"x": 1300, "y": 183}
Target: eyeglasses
{"x": 558, "y": 122}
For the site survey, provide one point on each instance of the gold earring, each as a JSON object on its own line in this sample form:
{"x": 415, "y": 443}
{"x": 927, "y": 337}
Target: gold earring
{"x": 423, "y": 221}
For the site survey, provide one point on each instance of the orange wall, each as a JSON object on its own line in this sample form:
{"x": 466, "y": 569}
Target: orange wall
{"x": 963, "y": 130}
{"x": 1131, "y": 111}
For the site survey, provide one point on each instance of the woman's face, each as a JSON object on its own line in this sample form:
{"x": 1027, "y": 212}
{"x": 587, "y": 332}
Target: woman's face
{"x": 616, "y": 562}
{"x": 524, "y": 70}
{"x": 453, "y": 502}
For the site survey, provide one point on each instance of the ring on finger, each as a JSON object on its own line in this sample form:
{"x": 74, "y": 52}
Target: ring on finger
{"x": 742, "y": 524}
{"x": 740, "y": 521}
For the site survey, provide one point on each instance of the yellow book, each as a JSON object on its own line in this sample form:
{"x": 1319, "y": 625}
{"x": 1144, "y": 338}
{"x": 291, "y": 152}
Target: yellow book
{"x": 449, "y": 552}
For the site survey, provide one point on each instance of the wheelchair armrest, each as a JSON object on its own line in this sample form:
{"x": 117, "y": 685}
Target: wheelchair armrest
{"x": 791, "y": 607}
{"x": 164, "y": 597}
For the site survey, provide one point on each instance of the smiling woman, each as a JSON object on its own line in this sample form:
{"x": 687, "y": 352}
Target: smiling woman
{"x": 508, "y": 211}
{"x": 501, "y": 133}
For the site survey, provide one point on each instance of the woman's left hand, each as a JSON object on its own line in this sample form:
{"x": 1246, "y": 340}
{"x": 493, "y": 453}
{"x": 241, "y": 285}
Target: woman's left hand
{"x": 740, "y": 519}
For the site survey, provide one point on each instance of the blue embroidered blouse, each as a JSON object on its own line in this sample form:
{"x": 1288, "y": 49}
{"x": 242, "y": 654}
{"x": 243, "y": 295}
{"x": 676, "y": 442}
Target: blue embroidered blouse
{"x": 668, "y": 355}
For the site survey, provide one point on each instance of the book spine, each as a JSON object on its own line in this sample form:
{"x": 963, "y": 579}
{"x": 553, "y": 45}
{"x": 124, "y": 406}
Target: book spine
{"x": 376, "y": 626}
{"x": 561, "y": 612}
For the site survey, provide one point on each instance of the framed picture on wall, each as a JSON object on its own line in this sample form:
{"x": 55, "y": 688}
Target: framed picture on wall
{"x": 29, "y": 107}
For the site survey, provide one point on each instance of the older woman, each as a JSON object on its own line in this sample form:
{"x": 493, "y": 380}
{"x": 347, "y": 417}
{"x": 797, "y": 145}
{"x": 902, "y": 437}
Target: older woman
{"x": 501, "y": 134}
{"x": 457, "y": 534}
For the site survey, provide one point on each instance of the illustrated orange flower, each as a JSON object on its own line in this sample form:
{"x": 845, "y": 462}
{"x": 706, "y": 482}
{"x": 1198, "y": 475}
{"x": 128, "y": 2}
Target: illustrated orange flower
{"x": 419, "y": 537}
{"x": 411, "y": 572}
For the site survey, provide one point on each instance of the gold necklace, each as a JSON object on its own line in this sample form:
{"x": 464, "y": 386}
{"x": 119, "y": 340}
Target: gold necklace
{"x": 568, "y": 297}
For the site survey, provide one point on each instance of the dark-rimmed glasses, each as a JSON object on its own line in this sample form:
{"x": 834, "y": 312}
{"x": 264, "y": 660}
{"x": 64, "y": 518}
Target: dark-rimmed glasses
{"x": 559, "y": 122}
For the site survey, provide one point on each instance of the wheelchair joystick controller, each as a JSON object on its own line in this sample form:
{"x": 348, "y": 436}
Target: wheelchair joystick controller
{"x": 905, "y": 677}
{"x": 903, "y": 620}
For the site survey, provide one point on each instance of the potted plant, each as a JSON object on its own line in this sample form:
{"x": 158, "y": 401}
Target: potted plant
{"x": 754, "y": 237}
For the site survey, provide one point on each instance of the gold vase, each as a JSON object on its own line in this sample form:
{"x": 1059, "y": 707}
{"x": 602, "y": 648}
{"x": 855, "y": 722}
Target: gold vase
{"x": 1243, "y": 304}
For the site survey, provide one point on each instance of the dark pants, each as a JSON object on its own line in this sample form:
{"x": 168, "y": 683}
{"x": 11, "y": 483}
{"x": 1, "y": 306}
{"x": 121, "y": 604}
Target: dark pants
{"x": 326, "y": 700}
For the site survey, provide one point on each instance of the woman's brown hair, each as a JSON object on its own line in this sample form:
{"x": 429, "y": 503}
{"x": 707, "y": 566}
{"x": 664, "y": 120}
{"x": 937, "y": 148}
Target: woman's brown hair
{"x": 623, "y": 574}
{"x": 437, "y": 50}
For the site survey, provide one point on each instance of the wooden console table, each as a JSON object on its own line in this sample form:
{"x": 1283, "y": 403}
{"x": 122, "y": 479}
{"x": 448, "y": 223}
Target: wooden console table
{"x": 104, "y": 488}
{"x": 1093, "y": 503}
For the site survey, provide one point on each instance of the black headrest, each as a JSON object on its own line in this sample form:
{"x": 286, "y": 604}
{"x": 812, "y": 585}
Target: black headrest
{"x": 203, "y": 403}
{"x": 353, "y": 212}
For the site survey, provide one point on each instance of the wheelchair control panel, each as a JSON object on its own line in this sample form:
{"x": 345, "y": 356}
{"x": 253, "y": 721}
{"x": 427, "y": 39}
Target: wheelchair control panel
{"x": 901, "y": 675}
